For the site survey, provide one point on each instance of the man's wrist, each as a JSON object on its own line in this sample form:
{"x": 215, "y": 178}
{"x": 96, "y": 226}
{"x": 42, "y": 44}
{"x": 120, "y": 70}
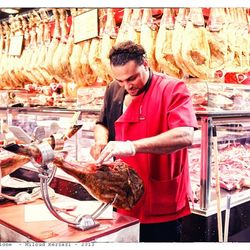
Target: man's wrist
{"x": 132, "y": 147}
{"x": 101, "y": 142}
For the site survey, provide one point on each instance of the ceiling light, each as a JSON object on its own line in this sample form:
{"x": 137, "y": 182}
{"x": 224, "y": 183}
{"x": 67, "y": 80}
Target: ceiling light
{"x": 10, "y": 11}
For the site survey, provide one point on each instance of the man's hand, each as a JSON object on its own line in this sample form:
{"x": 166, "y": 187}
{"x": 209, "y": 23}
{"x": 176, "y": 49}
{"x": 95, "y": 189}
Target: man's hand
{"x": 116, "y": 148}
{"x": 96, "y": 149}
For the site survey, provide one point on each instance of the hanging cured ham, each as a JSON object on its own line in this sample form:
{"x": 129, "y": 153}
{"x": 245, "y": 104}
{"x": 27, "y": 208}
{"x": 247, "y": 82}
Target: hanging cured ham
{"x": 43, "y": 40}
{"x": 245, "y": 39}
{"x": 134, "y": 31}
{"x": 148, "y": 37}
{"x": 18, "y": 64}
{"x": 238, "y": 42}
{"x": 48, "y": 64}
{"x": 237, "y": 60}
{"x": 124, "y": 27}
{"x": 38, "y": 57}
{"x": 75, "y": 57}
{"x": 60, "y": 50}
{"x": 248, "y": 37}
{"x": 94, "y": 57}
{"x": 217, "y": 38}
{"x": 10, "y": 58}
{"x": 195, "y": 47}
{"x": 178, "y": 40}
{"x": 5, "y": 77}
{"x": 14, "y": 60}
{"x": 241, "y": 56}
{"x": 163, "y": 46}
{"x": 65, "y": 62}
{"x": 231, "y": 38}
{"x": 1, "y": 52}
{"x": 35, "y": 77}
{"x": 89, "y": 76}
{"x": 6, "y": 43}
{"x": 108, "y": 40}
{"x": 25, "y": 56}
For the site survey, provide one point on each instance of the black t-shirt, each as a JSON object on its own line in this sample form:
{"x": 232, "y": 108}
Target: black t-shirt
{"x": 113, "y": 105}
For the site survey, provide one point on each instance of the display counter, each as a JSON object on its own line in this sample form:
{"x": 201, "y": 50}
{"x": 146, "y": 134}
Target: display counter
{"x": 232, "y": 129}
{"x": 223, "y": 133}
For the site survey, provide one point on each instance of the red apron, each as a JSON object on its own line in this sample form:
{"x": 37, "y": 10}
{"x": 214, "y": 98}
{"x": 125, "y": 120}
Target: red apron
{"x": 165, "y": 176}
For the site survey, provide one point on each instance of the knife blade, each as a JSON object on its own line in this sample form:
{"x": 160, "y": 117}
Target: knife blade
{"x": 12, "y": 147}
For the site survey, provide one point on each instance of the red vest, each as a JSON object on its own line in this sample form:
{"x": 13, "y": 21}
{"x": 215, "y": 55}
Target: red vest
{"x": 166, "y": 105}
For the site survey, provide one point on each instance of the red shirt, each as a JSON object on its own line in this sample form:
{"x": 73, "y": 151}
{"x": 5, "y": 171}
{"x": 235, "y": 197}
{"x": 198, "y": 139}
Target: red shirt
{"x": 165, "y": 105}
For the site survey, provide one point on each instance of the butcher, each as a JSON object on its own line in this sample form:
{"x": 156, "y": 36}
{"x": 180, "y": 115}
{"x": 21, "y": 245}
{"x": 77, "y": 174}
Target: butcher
{"x": 148, "y": 121}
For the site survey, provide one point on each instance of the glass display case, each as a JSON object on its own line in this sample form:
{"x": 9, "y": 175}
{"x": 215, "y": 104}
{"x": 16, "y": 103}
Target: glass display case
{"x": 222, "y": 108}
{"x": 214, "y": 96}
{"x": 41, "y": 122}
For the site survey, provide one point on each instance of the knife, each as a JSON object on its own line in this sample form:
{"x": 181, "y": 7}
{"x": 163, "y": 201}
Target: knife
{"x": 12, "y": 147}
{"x": 17, "y": 149}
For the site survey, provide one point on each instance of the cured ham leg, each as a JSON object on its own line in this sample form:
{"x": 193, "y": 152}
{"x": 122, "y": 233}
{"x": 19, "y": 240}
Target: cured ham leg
{"x": 14, "y": 60}
{"x": 94, "y": 56}
{"x": 75, "y": 64}
{"x": 19, "y": 67}
{"x": 57, "y": 62}
{"x": 217, "y": 38}
{"x": 89, "y": 76}
{"x": 163, "y": 47}
{"x": 48, "y": 64}
{"x": 241, "y": 59}
{"x": 1, "y": 52}
{"x": 148, "y": 37}
{"x": 231, "y": 38}
{"x": 134, "y": 30}
{"x": 69, "y": 88}
{"x": 123, "y": 30}
{"x": 108, "y": 40}
{"x": 9, "y": 162}
{"x": 177, "y": 40}
{"x": 114, "y": 183}
{"x": 6, "y": 78}
{"x": 43, "y": 38}
{"x": 195, "y": 48}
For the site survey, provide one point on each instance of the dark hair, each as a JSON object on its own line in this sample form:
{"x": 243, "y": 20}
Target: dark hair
{"x": 127, "y": 51}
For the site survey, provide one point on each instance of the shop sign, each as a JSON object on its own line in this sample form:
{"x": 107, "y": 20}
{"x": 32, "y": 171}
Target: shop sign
{"x": 16, "y": 45}
{"x": 85, "y": 26}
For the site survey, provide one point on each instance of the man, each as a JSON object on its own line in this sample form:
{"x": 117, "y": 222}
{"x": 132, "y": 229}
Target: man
{"x": 148, "y": 121}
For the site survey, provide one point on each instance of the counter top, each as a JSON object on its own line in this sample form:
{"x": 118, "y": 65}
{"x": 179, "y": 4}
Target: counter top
{"x": 12, "y": 217}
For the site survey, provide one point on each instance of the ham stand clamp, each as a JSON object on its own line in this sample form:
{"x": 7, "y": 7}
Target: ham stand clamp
{"x": 81, "y": 222}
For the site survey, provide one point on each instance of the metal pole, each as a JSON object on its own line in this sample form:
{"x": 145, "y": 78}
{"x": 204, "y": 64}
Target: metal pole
{"x": 227, "y": 217}
{"x": 217, "y": 177}
{"x": 205, "y": 168}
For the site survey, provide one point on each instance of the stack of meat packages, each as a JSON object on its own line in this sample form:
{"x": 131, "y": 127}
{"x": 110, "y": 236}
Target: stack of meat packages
{"x": 180, "y": 43}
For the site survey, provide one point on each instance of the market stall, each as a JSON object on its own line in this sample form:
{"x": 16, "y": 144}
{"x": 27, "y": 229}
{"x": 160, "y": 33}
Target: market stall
{"x": 54, "y": 62}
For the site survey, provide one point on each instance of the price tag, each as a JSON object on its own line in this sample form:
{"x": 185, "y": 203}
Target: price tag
{"x": 85, "y": 26}
{"x": 16, "y": 45}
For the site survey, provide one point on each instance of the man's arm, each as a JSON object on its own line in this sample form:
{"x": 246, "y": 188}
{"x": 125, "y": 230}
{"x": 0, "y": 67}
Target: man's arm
{"x": 101, "y": 139}
{"x": 163, "y": 143}
{"x": 166, "y": 142}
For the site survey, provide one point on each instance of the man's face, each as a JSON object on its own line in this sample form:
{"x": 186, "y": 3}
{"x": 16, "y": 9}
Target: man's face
{"x": 131, "y": 76}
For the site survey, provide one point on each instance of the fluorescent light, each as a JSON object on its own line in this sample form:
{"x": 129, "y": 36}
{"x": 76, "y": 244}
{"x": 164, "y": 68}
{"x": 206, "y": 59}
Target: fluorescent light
{"x": 10, "y": 11}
